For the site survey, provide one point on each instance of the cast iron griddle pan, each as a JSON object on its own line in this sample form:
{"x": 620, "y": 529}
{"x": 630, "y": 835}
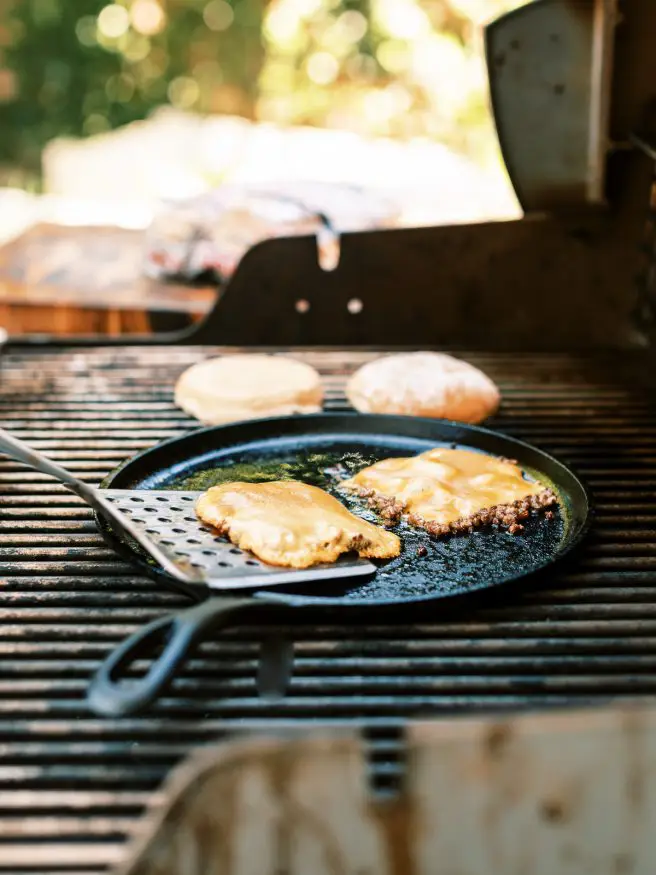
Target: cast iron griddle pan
{"x": 322, "y": 450}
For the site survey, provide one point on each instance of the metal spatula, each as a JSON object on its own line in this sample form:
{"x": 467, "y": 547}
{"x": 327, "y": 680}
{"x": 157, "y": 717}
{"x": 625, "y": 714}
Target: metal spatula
{"x": 164, "y": 524}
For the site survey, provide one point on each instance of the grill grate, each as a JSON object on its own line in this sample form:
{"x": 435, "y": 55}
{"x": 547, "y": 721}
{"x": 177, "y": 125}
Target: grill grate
{"x": 73, "y": 785}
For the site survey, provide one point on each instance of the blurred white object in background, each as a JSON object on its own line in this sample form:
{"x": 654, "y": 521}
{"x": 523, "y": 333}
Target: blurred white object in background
{"x": 20, "y": 211}
{"x": 17, "y": 210}
{"x": 175, "y": 155}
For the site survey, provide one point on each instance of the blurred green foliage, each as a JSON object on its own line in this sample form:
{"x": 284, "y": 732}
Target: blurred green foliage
{"x": 391, "y": 67}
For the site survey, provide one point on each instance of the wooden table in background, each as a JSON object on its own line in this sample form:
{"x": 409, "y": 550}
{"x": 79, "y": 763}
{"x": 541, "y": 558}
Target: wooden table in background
{"x": 70, "y": 280}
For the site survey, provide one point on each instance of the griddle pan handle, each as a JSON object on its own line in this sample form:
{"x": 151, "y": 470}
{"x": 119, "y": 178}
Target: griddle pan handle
{"x": 112, "y": 695}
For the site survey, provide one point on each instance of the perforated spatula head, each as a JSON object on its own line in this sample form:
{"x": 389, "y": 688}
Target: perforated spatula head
{"x": 191, "y": 551}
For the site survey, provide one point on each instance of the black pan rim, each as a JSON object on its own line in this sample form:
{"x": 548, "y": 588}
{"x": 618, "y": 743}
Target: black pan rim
{"x": 287, "y": 425}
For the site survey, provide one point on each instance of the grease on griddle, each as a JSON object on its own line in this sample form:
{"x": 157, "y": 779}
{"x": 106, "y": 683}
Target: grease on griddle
{"x": 324, "y": 470}
{"x": 450, "y": 565}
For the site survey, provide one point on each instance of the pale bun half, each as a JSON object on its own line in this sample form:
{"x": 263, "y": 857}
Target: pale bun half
{"x": 253, "y": 386}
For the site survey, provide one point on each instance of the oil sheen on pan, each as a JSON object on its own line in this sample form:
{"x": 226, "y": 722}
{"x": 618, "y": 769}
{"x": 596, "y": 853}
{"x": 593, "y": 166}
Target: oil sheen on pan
{"x": 452, "y": 564}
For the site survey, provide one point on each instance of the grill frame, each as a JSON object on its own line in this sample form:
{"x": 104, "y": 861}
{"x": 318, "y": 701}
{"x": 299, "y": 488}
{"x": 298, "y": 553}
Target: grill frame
{"x": 74, "y": 785}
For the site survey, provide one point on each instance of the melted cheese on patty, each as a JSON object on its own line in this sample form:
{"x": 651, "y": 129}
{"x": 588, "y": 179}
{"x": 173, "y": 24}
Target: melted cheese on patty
{"x": 444, "y": 485}
{"x": 292, "y": 524}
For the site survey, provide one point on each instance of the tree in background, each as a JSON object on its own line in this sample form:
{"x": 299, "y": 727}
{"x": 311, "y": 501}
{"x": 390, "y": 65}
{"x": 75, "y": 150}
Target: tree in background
{"x": 80, "y": 67}
{"x": 399, "y": 68}
{"x": 393, "y": 67}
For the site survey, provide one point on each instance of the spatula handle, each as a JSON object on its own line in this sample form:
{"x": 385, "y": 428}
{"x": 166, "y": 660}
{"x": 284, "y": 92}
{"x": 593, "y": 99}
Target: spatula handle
{"x": 20, "y": 451}
{"x": 112, "y": 695}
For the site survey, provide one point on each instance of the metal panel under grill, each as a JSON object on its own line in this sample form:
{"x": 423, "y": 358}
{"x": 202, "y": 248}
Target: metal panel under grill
{"x": 73, "y": 785}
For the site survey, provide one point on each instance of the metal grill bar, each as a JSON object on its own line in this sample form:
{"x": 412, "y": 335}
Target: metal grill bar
{"x": 73, "y": 785}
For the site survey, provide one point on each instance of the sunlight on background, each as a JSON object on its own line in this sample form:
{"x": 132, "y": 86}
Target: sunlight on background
{"x": 399, "y": 68}
{"x": 382, "y": 93}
